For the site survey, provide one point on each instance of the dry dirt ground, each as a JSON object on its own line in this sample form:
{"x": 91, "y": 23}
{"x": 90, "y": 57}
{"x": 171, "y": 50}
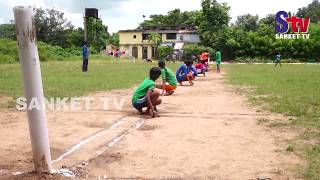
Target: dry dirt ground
{"x": 206, "y": 131}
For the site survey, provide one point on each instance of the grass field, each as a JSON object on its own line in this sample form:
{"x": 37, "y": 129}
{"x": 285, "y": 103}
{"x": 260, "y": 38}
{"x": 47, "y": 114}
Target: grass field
{"x": 293, "y": 90}
{"x": 65, "y": 79}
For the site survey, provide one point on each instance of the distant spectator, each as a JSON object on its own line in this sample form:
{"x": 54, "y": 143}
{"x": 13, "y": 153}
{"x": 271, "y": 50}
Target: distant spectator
{"x": 116, "y": 53}
{"x": 278, "y": 59}
{"x": 85, "y": 56}
{"x": 218, "y": 60}
{"x": 119, "y": 53}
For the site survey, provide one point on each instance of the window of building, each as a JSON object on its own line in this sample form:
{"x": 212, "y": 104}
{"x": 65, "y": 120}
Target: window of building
{"x": 181, "y": 37}
{"x": 134, "y": 36}
{"x": 172, "y": 36}
{"x": 145, "y": 36}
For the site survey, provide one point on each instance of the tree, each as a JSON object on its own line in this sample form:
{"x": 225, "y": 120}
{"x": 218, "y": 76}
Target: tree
{"x": 268, "y": 20}
{"x": 214, "y": 18}
{"x": 75, "y": 37}
{"x": 312, "y": 11}
{"x": 248, "y": 22}
{"x": 114, "y": 39}
{"x": 155, "y": 19}
{"x": 97, "y": 33}
{"x": 163, "y": 51}
{"x": 52, "y": 26}
{"x": 8, "y": 31}
{"x": 155, "y": 38}
{"x": 192, "y": 49}
{"x": 174, "y": 17}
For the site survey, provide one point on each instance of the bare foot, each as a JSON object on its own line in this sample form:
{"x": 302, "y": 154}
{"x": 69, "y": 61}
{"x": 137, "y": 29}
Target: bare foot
{"x": 154, "y": 114}
{"x": 169, "y": 93}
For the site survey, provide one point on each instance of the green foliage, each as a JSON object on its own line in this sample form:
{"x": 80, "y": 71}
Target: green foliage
{"x": 214, "y": 18}
{"x": 74, "y": 38}
{"x": 163, "y": 51}
{"x": 248, "y": 22}
{"x": 174, "y": 17}
{"x": 52, "y": 27}
{"x": 97, "y": 34}
{"x": 8, "y": 31}
{"x": 312, "y": 11}
{"x": 9, "y": 51}
{"x": 268, "y": 20}
{"x": 248, "y": 39}
{"x": 48, "y": 52}
{"x": 192, "y": 49}
{"x": 238, "y": 43}
{"x": 155, "y": 38}
{"x": 114, "y": 39}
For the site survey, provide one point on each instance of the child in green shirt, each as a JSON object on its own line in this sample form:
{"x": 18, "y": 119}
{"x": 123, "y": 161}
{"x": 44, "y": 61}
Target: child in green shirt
{"x": 218, "y": 60}
{"x": 146, "y": 96}
{"x": 169, "y": 81}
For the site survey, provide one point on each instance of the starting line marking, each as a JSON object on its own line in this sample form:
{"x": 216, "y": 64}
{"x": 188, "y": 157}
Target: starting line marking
{"x": 85, "y": 141}
{"x": 120, "y": 136}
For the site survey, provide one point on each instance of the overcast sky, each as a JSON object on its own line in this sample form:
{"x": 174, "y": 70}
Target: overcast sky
{"x": 127, "y": 14}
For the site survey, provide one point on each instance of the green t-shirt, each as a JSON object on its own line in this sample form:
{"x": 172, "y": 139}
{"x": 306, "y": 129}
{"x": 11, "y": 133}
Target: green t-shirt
{"x": 169, "y": 76}
{"x": 143, "y": 89}
{"x": 218, "y": 57}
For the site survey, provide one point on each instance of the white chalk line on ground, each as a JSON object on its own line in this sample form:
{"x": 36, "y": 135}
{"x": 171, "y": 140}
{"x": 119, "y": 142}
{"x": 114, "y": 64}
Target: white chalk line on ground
{"x": 87, "y": 140}
{"x": 120, "y": 136}
{"x": 2, "y": 171}
{"x": 68, "y": 173}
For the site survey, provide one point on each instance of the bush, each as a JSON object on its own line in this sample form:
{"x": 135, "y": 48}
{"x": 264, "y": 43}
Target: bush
{"x": 9, "y": 51}
{"x": 163, "y": 51}
{"x": 192, "y": 49}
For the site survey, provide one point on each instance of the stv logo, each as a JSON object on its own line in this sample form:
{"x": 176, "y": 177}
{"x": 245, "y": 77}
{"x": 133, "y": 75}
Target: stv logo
{"x": 299, "y": 25}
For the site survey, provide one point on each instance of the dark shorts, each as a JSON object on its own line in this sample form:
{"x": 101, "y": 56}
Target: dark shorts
{"x": 140, "y": 103}
{"x": 182, "y": 78}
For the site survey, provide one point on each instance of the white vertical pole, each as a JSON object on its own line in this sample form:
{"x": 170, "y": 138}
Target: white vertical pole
{"x": 31, "y": 72}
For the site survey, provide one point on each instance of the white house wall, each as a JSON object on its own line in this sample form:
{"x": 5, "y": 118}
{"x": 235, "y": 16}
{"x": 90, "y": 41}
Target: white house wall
{"x": 191, "y": 38}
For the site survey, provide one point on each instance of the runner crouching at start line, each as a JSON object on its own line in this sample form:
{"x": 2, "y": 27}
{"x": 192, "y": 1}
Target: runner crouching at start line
{"x": 147, "y": 96}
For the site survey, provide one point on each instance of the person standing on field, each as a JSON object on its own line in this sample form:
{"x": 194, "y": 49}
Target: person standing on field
{"x": 85, "y": 56}
{"x": 218, "y": 60}
{"x": 278, "y": 59}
